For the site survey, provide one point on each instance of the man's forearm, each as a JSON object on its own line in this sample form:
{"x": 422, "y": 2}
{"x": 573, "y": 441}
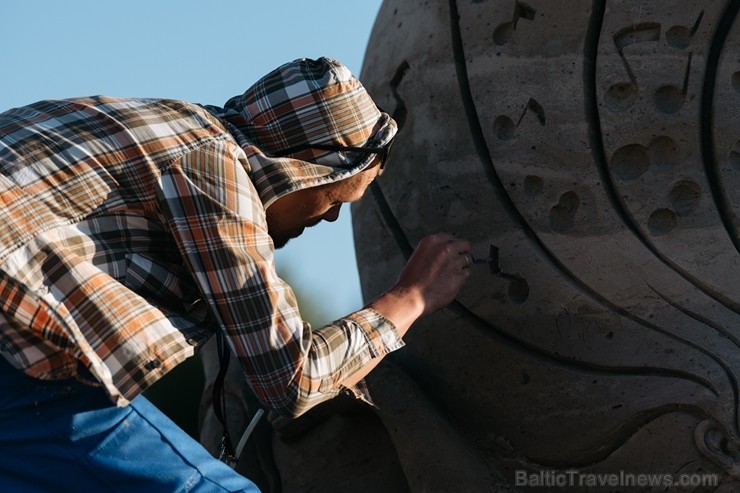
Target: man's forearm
{"x": 402, "y": 307}
{"x": 431, "y": 279}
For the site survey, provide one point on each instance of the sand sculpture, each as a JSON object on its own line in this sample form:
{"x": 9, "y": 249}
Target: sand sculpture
{"x": 596, "y": 145}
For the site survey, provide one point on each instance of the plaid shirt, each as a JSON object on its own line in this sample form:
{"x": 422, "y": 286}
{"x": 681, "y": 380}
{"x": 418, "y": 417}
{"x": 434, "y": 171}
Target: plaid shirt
{"x": 130, "y": 231}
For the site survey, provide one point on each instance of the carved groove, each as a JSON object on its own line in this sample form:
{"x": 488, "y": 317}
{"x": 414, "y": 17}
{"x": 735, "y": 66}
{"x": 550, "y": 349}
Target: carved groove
{"x": 722, "y": 202}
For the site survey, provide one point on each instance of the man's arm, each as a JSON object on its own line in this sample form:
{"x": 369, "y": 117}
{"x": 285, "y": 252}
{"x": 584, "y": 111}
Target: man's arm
{"x": 433, "y": 276}
{"x": 219, "y": 224}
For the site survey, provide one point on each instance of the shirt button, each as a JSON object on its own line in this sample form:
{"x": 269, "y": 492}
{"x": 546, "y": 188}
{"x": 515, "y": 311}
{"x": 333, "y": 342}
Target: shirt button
{"x": 151, "y": 365}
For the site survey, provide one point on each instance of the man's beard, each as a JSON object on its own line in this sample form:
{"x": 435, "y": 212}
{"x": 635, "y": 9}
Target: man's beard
{"x": 279, "y": 243}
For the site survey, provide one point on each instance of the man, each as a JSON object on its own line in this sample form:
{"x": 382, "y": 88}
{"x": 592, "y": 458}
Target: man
{"x": 132, "y": 230}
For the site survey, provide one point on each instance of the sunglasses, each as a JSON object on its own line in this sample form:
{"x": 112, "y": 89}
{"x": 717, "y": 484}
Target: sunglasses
{"x": 383, "y": 152}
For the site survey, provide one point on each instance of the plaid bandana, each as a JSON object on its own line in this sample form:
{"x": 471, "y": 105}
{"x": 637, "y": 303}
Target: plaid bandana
{"x": 305, "y": 101}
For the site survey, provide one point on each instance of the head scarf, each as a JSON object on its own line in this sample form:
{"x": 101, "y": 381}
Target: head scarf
{"x": 305, "y": 101}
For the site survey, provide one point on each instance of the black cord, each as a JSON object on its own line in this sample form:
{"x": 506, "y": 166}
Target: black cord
{"x": 228, "y": 454}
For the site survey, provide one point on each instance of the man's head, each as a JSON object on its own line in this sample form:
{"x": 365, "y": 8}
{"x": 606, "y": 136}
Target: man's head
{"x": 313, "y": 138}
{"x": 288, "y": 216}
{"x": 305, "y": 124}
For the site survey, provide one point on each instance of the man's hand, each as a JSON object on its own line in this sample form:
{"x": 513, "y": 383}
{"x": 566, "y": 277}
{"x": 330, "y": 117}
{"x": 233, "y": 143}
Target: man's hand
{"x": 432, "y": 278}
{"x": 436, "y": 271}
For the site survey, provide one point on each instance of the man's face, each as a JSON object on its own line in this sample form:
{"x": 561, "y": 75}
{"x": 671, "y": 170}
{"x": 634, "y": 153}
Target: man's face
{"x": 289, "y": 215}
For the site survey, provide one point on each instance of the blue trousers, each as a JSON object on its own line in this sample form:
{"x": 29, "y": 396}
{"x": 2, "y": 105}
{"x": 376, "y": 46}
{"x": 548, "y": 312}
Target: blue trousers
{"x": 65, "y": 436}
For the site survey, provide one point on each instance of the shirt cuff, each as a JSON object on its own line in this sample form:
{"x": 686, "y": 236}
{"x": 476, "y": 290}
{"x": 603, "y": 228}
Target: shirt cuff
{"x": 380, "y": 333}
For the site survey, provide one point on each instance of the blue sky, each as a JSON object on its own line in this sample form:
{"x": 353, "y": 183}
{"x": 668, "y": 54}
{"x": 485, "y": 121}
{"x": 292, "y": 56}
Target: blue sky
{"x": 198, "y": 51}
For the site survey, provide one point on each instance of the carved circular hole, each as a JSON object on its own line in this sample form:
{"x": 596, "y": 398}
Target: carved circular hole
{"x": 562, "y": 215}
{"x": 518, "y": 290}
{"x": 678, "y": 37}
{"x": 685, "y": 197}
{"x": 621, "y": 96}
{"x": 735, "y": 81}
{"x": 663, "y": 152}
{"x": 533, "y": 185}
{"x": 662, "y": 221}
{"x": 503, "y": 33}
{"x": 668, "y": 99}
{"x": 504, "y": 127}
{"x": 734, "y": 159}
{"x": 630, "y": 162}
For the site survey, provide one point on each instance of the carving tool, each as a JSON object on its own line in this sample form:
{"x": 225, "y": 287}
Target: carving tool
{"x": 492, "y": 260}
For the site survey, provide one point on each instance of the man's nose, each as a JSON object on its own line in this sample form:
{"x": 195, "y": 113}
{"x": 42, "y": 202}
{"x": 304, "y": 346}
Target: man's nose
{"x": 332, "y": 214}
